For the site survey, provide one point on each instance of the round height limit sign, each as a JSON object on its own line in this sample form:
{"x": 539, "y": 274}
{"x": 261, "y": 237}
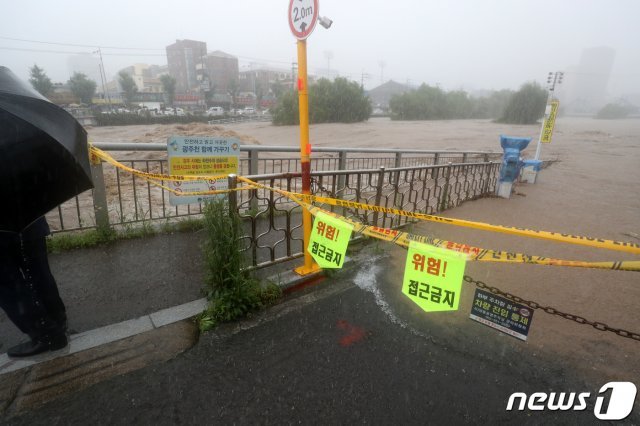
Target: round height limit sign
{"x": 303, "y": 15}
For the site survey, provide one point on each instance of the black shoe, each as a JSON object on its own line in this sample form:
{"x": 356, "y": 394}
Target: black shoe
{"x": 38, "y": 346}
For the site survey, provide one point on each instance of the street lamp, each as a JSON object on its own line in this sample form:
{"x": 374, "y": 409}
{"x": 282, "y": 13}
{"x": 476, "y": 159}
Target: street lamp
{"x": 552, "y": 79}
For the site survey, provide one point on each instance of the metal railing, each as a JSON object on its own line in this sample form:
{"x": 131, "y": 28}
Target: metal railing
{"x": 415, "y": 180}
{"x": 272, "y": 222}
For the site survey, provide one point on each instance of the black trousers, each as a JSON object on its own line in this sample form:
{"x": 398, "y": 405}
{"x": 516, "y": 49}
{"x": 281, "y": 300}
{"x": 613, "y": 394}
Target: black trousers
{"x": 28, "y": 291}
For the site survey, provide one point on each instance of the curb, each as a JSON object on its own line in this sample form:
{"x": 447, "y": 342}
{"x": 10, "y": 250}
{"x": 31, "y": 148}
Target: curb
{"x": 289, "y": 282}
{"x": 108, "y": 334}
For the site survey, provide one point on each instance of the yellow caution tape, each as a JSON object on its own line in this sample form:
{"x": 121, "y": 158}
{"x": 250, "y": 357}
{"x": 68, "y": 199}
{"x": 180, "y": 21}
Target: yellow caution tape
{"x": 552, "y": 236}
{"x": 475, "y": 253}
{"x": 146, "y": 175}
{"x": 403, "y": 238}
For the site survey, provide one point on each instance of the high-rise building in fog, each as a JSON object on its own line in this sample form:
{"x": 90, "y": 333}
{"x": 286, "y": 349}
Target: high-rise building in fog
{"x": 186, "y": 59}
{"x": 586, "y": 84}
{"x": 222, "y": 70}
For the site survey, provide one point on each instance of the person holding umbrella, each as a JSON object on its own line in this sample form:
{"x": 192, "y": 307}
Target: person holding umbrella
{"x": 44, "y": 161}
{"x": 29, "y": 293}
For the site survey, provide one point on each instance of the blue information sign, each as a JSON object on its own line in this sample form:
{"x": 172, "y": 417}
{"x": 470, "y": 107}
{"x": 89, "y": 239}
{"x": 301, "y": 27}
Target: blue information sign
{"x": 502, "y": 314}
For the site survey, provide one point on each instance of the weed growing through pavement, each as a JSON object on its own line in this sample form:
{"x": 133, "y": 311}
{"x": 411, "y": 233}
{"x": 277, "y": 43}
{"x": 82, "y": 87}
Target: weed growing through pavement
{"x": 231, "y": 291}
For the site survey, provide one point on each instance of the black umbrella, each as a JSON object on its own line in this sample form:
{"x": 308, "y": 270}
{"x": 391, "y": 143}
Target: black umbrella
{"x": 44, "y": 159}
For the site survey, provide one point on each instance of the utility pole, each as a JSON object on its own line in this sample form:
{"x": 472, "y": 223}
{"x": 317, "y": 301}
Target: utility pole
{"x": 104, "y": 76}
{"x": 329, "y": 55}
{"x": 102, "y": 79}
{"x": 362, "y": 77}
{"x": 552, "y": 79}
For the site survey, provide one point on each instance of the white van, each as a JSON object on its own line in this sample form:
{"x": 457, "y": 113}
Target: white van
{"x": 214, "y": 112}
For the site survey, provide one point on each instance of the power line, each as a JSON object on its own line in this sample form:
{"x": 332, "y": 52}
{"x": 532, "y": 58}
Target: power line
{"x": 271, "y": 61}
{"x": 69, "y": 52}
{"x": 42, "y": 51}
{"x": 93, "y": 46}
{"x": 164, "y": 55}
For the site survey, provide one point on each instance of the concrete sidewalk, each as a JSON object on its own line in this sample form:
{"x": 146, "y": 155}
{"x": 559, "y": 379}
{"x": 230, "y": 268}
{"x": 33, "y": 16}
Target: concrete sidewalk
{"x": 121, "y": 281}
{"x": 127, "y": 279}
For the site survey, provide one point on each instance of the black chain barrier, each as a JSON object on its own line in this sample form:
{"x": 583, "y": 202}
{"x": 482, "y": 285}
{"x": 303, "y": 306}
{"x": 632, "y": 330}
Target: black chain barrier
{"x": 548, "y": 309}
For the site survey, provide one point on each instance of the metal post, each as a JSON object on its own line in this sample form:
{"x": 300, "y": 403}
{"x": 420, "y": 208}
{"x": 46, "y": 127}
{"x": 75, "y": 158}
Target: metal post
{"x": 398, "y": 164}
{"x": 464, "y": 157}
{"x": 233, "y": 195}
{"x": 254, "y": 157}
{"x": 544, "y": 119}
{"x": 488, "y": 168}
{"x": 342, "y": 165}
{"x": 309, "y": 266}
{"x": 99, "y": 196}
{"x": 398, "y": 160}
{"x": 557, "y": 79}
{"x": 436, "y": 158}
{"x": 378, "y": 194}
{"x": 445, "y": 190}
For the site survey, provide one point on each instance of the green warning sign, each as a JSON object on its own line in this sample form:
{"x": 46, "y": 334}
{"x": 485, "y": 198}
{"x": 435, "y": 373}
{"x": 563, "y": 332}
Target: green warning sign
{"x": 329, "y": 241}
{"x": 433, "y": 277}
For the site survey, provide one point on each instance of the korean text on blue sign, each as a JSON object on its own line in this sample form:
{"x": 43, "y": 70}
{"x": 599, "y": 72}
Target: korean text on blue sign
{"x": 502, "y": 314}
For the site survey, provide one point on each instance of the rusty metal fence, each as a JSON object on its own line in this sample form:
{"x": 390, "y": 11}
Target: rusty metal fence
{"x": 414, "y": 180}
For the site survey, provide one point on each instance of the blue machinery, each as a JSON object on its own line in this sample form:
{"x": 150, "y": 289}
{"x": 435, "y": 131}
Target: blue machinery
{"x": 511, "y": 163}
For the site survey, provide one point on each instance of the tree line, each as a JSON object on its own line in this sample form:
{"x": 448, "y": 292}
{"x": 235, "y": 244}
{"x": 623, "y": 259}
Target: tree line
{"x": 338, "y": 101}
{"x": 84, "y": 89}
{"x": 346, "y": 102}
{"x": 524, "y": 106}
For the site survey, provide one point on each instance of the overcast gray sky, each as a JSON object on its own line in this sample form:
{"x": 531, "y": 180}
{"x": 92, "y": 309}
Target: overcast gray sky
{"x": 474, "y": 44}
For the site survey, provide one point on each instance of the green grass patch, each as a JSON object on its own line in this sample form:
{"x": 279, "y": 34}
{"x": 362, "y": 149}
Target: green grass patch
{"x": 231, "y": 291}
{"x": 61, "y": 242}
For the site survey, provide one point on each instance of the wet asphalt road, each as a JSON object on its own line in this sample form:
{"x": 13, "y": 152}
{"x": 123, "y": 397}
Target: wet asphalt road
{"x": 127, "y": 279}
{"x": 337, "y": 354}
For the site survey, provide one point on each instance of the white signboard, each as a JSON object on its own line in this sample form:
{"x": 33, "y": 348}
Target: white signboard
{"x": 200, "y": 156}
{"x": 303, "y": 15}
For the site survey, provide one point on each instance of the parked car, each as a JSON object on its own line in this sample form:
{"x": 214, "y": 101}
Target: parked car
{"x": 249, "y": 111}
{"x": 174, "y": 111}
{"x": 214, "y": 112}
